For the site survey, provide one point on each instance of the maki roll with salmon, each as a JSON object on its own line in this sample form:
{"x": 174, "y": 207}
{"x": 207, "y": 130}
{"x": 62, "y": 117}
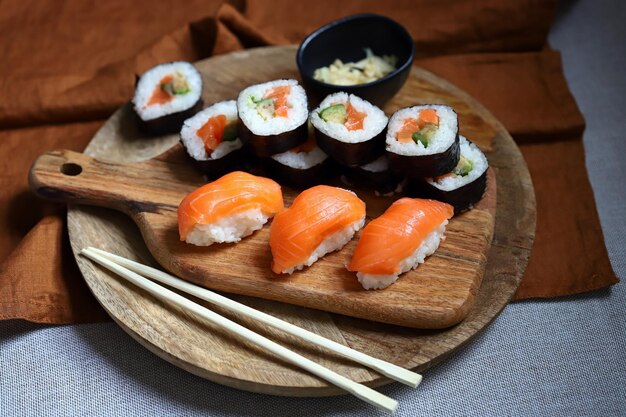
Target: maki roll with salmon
{"x": 166, "y": 95}
{"x": 349, "y": 129}
{"x": 301, "y": 167}
{"x": 228, "y": 209}
{"x": 273, "y": 116}
{"x": 376, "y": 175}
{"x": 321, "y": 220}
{"x": 399, "y": 240}
{"x": 465, "y": 185}
{"x": 212, "y": 140}
{"x": 423, "y": 141}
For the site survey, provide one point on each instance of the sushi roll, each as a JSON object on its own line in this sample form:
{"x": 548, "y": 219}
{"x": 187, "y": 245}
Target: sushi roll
{"x": 228, "y": 209}
{"x": 464, "y": 185}
{"x": 399, "y": 240}
{"x": 301, "y": 167}
{"x": 349, "y": 129}
{"x": 272, "y": 116}
{"x": 423, "y": 141}
{"x": 321, "y": 219}
{"x": 211, "y": 139}
{"x": 166, "y": 95}
{"x": 375, "y": 175}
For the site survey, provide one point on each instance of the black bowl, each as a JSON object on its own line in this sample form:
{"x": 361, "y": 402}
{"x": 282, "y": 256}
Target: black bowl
{"x": 346, "y": 39}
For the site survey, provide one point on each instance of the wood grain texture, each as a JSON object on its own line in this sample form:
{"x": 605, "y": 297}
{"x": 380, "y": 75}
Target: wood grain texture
{"x": 438, "y": 294}
{"x": 207, "y": 351}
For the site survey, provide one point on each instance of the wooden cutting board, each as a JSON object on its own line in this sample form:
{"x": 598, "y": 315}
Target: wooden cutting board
{"x": 210, "y": 353}
{"x": 438, "y": 294}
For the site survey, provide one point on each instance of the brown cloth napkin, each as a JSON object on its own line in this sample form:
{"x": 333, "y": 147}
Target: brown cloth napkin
{"x": 70, "y": 64}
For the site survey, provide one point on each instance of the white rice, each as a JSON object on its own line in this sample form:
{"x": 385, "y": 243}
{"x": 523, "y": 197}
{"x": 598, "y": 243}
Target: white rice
{"x": 297, "y": 101}
{"x": 428, "y": 246}
{"x": 195, "y": 145}
{"x": 443, "y": 138}
{"x": 451, "y": 181}
{"x": 332, "y": 243}
{"x": 228, "y": 229}
{"x": 374, "y": 123}
{"x": 380, "y": 164}
{"x": 151, "y": 79}
{"x": 301, "y": 160}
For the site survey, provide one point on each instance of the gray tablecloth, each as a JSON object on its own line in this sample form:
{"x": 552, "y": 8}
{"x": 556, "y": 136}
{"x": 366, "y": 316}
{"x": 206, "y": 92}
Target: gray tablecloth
{"x": 559, "y": 357}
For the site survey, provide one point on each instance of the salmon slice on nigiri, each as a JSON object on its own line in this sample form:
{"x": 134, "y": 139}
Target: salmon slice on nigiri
{"x": 399, "y": 240}
{"x": 228, "y": 208}
{"x": 321, "y": 219}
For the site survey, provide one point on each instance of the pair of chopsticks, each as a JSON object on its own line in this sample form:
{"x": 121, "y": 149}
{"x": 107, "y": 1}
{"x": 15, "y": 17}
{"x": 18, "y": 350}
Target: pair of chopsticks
{"x": 136, "y": 273}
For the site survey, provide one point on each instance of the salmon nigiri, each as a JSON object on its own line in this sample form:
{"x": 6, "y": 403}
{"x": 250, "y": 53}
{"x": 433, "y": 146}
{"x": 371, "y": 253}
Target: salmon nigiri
{"x": 321, "y": 219}
{"x": 399, "y": 240}
{"x": 228, "y": 209}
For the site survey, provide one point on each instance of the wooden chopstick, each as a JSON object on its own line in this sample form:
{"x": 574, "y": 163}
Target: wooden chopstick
{"x": 361, "y": 391}
{"x": 390, "y": 370}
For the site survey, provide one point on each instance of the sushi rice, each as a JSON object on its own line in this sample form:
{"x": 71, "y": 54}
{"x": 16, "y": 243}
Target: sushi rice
{"x": 399, "y": 240}
{"x": 195, "y": 145}
{"x": 452, "y": 181}
{"x": 178, "y": 103}
{"x": 442, "y": 139}
{"x": 374, "y": 123}
{"x": 228, "y": 209}
{"x": 321, "y": 219}
{"x": 380, "y": 164}
{"x": 334, "y": 242}
{"x": 301, "y": 160}
{"x": 302, "y": 166}
{"x": 297, "y": 103}
{"x": 228, "y": 229}
{"x": 428, "y": 246}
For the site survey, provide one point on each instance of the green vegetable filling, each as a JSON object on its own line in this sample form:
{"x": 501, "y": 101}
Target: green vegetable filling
{"x": 425, "y": 134}
{"x": 464, "y": 167}
{"x": 178, "y": 86}
{"x": 230, "y": 132}
{"x": 264, "y": 107}
{"x": 335, "y": 113}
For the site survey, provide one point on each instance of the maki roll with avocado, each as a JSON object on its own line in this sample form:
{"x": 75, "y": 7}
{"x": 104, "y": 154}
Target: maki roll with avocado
{"x": 464, "y": 185}
{"x": 423, "y": 141}
{"x": 273, "y": 116}
{"x": 211, "y": 138}
{"x": 349, "y": 129}
{"x": 166, "y": 95}
{"x": 301, "y": 167}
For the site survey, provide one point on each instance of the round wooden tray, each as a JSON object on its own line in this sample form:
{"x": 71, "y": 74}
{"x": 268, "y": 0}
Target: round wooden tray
{"x": 211, "y": 353}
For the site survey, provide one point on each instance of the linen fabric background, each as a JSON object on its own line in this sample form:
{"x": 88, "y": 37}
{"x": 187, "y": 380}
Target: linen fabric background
{"x": 70, "y": 64}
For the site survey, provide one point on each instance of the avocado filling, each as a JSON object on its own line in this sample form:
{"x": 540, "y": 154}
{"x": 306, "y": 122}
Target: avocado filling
{"x": 265, "y": 107}
{"x": 177, "y": 86}
{"x": 464, "y": 167}
{"x": 230, "y": 132}
{"x": 336, "y": 113}
{"x": 425, "y": 134}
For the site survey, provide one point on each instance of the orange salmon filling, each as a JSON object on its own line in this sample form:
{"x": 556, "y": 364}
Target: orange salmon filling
{"x": 355, "y": 118}
{"x": 314, "y": 215}
{"x": 212, "y": 132}
{"x": 396, "y": 234}
{"x": 411, "y": 126}
{"x": 279, "y": 95}
{"x": 233, "y": 193}
{"x": 160, "y": 96}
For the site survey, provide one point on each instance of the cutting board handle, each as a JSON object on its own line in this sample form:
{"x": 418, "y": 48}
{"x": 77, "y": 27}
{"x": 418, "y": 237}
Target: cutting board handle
{"x": 73, "y": 177}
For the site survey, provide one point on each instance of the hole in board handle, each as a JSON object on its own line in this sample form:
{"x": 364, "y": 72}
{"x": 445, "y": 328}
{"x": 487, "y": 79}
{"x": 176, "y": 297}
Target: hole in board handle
{"x": 71, "y": 169}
